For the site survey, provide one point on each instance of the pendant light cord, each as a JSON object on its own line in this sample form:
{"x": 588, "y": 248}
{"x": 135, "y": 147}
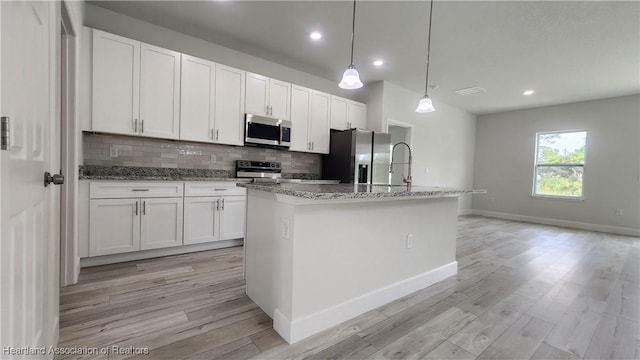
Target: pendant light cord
{"x": 353, "y": 30}
{"x": 426, "y": 82}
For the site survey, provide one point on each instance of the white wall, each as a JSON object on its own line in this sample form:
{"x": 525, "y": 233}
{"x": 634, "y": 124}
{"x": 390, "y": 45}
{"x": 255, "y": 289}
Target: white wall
{"x": 505, "y": 156}
{"x": 109, "y": 21}
{"x": 443, "y": 141}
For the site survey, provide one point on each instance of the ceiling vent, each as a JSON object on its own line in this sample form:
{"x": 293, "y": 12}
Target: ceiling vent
{"x": 470, "y": 90}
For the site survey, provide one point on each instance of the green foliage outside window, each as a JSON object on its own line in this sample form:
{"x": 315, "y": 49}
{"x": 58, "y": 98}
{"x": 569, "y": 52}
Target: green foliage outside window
{"x": 560, "y": 164}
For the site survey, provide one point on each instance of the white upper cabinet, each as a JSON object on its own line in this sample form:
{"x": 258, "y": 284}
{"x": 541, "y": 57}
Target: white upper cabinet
{"x": 136, "y": 87}
{"x": 229, "y": 105}
{"x": 267, "y": 97}
{"x": 319, "y": 122}
{"x": 159, "y": 92}
{"x": 279, "y": 95}
{"x": 116, "y": 84}
{"x": 347, "y": 114}
{"x": 339, "y": 113}
{"x": 309, "y": 120}
{"x": 300, "y": 118}
{"x": 357, "y": 115}
{"x": 197, "y": 99}
{"x": 212, "y": 102}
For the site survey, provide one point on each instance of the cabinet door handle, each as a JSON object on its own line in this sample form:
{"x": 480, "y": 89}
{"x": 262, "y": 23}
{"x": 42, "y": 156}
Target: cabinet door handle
{"x": 144, "y": 208}
{"x": 136, "y": 208}
{"x": 220, "y": 189}
{"x": 135, "y": 125}
{"x": 222, "y": 204}
{"x": 139, "y": 189}
{"x": 217, "y": 134}
{"x": 312, "y": 144}
{"x": 218, "y": 204}
{"x": 212, "y": 134}
{"x": 141, "y": 126}
{"x": 267, "y": 107}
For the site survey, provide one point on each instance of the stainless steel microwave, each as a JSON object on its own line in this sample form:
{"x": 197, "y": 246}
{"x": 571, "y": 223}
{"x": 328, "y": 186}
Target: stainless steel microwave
{"x": 265, "y": 131}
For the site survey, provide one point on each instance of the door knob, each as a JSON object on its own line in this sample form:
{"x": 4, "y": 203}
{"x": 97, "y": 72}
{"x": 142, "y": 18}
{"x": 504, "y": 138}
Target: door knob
{"x": 56, "y": 179}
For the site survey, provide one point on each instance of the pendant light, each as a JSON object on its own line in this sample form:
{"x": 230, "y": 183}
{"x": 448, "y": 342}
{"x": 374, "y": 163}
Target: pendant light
{"x": 351, "y": 78}
{"x": 425, "y": 105}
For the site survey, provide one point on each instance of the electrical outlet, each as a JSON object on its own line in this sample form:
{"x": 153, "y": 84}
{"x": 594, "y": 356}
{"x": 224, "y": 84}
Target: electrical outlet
{"x": 213, "y": 159}
{"x": 113, "y": 152}
{"x": 409, "y": 241}
{"x": 618, "y": 211}
{"x": 426, "y": 170}
{"x": 285, "y": 228}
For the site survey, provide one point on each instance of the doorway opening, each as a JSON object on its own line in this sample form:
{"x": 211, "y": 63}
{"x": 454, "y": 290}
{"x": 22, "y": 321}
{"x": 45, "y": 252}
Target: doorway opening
{"x": 400, "y": 132}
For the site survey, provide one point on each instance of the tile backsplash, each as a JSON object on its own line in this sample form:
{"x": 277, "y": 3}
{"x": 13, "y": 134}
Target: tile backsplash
{"x": 142, "y": 152}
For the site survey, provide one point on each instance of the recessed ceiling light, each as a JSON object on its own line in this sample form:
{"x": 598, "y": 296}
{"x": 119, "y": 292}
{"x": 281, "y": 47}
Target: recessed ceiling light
{"x": 528, "y": 92}
{"x": 315, "y": 35}
{"x": 378, "y": 62}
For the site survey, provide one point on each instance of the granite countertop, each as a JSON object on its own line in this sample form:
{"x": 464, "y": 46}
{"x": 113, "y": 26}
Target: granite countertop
{"x": 131, "y": 173}
{"x": 356, "y": 191}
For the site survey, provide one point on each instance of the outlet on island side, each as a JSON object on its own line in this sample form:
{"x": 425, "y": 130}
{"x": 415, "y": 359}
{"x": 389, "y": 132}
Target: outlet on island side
{"x": 285, "y": 228}
{"x": 409, "y": 241}
{"x": 213, "y": 159}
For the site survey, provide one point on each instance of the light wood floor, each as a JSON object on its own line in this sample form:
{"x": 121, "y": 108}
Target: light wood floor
{"x": 523, "y": 291}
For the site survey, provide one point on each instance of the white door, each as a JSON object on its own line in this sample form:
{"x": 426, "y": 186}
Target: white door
{"x": 159, "y": 92}
{"x": 229, "y": 105}
{"x": 257, "y": 94}
{"x": 28, "y": 250}
{"x": 357, "y": 115}
{"x": 300, "y": 115}
{"x": 339, "y": 113}
{"x": 201, "y": 219}
{"x": 114, "y": 226}
{"x": 197, "y": 96}
{"x": 116, "y": 84}
{"x": 319, "y": 122}
{"x": 279, "y": 97}
{"x": 160, "y": 223}
{"x": 232, "y": 217}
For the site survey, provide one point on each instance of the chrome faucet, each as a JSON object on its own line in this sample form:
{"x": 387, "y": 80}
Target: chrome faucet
{"x": 406, "y": 180}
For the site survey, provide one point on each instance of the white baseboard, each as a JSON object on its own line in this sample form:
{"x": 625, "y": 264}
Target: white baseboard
{"x": 462, "y": 212}
{"x": 557, "y": 222}
{"x": 295, "y": 330}
{"x": 147, "y": 254}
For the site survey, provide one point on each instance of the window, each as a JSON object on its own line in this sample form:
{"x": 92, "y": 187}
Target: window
{"x": 559, "y": 164}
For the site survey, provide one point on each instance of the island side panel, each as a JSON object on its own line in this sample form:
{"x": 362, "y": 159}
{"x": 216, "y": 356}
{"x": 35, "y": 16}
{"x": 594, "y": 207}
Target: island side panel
{"x": 268, "y": 254}
{"x": 352, "y": 257}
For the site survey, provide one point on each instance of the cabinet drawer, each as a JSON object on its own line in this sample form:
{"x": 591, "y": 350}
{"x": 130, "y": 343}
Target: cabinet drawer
{"x": 212, "y": 189}
{"x": 116, "y": 189}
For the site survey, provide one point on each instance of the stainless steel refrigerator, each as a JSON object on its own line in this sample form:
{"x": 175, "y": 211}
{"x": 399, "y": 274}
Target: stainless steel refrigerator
{"x": 358, "y": 156}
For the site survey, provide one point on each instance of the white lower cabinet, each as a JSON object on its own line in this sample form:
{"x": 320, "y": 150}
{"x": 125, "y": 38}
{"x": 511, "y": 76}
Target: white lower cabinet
{"x": 125, "y": 225}
{"x": 160, "y": 223}
{"x": 200, "y": 215}
{"x": 133, "y": 216}
{"x": 213, "y": 218}
{"x": 114, "y": 226}
{"x": 232, "y": 217}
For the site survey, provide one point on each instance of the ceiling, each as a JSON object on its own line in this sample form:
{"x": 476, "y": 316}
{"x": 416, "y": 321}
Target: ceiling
{"x": 564, "y": 50}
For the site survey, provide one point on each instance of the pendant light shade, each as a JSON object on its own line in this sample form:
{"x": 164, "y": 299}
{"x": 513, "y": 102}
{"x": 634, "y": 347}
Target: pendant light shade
{"x": 351, "y": 77}
{"x": 426, "y": 105}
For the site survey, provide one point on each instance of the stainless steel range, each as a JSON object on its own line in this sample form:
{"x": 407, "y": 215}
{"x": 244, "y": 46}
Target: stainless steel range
{"x": 258, "y": 169}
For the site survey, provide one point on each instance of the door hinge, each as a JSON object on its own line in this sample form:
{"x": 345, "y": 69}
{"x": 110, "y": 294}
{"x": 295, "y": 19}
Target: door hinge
{"x": 4, "y": 133}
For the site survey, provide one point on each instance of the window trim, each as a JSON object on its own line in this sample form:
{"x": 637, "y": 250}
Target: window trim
{"x": 536, "y": 166}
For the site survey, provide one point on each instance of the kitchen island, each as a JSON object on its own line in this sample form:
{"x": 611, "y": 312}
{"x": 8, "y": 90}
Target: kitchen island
{"x": 317, "y": 255}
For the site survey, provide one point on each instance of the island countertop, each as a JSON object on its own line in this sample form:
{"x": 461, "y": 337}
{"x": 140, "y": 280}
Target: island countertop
{"x": 356, "y": 191}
